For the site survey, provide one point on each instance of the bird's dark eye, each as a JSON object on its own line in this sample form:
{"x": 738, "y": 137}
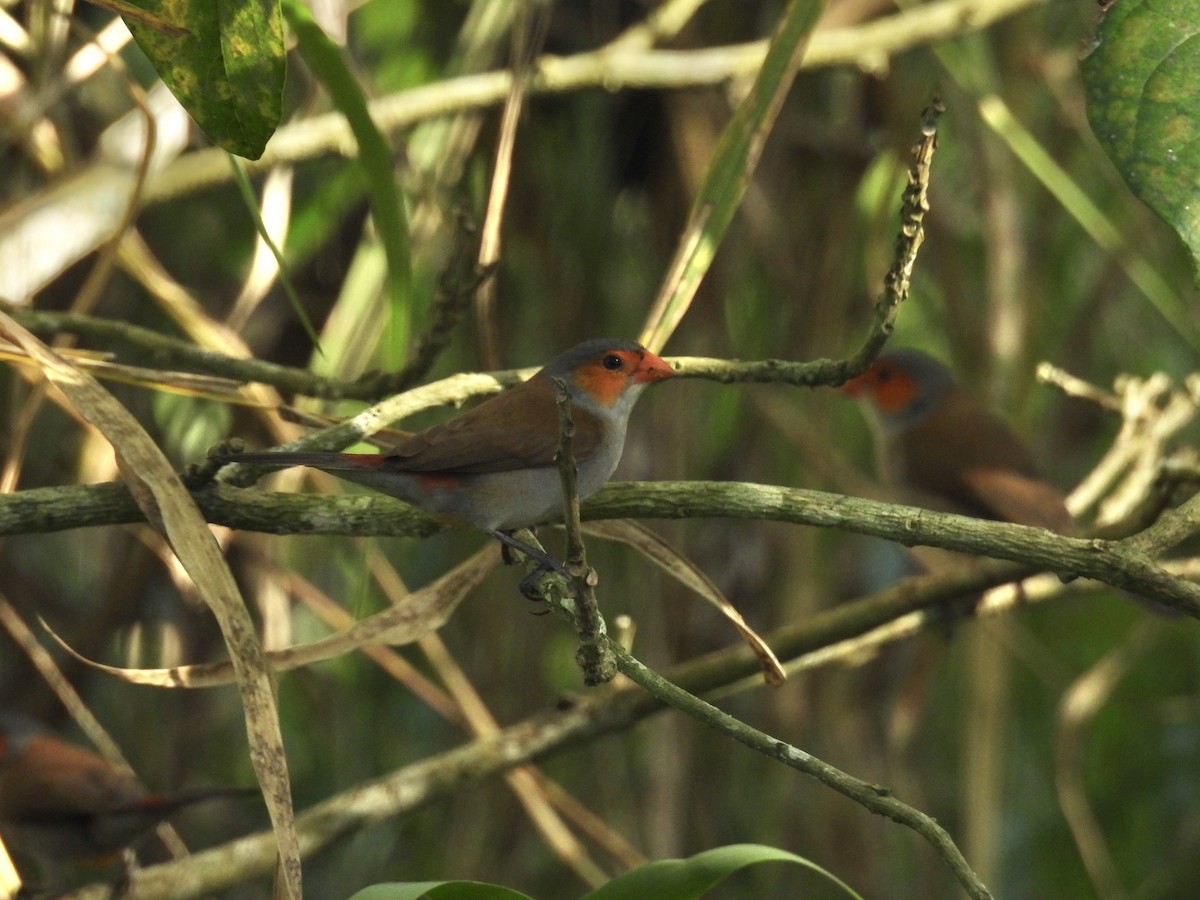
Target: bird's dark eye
{"x": 612, "y": 362}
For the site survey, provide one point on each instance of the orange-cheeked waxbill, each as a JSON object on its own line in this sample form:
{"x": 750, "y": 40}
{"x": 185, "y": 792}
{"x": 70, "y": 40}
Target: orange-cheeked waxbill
{"x": 61, "y": 803}
{"x": 493, "y": 466}
{"x": 939, "y": 448}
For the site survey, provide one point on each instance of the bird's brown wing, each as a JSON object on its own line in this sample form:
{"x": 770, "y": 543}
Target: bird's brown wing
{"x": 505, "y": 432}
{"x": 970, "y": 457}
{"x": 64, "y": 781}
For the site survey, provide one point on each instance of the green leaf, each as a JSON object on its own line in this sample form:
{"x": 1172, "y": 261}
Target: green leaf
{"x": 1142, "y": 77}
{"x": 227, "y": 69}
{"x": 438, "y": 890}
{"x": 686, "y": 879}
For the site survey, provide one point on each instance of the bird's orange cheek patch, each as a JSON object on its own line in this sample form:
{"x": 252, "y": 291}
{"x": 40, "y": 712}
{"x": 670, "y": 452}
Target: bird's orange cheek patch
{"x": 604, "y": 386}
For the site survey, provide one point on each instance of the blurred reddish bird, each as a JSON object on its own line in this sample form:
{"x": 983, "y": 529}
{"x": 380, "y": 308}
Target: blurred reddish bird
{"x": 61, "y": 803}
{"x": 493, "y": 466}
{"x": 939, "y": 448}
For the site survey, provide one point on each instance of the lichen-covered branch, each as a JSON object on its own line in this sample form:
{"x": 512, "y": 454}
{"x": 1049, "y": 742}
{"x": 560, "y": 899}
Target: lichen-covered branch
{"x": 1129, "y": 564}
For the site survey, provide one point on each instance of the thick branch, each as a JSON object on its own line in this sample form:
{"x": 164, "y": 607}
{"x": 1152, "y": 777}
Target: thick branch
{"x": 1127, "y": 564}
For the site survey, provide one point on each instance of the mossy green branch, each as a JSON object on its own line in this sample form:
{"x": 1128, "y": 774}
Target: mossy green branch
{"x": 1128, "y": 564}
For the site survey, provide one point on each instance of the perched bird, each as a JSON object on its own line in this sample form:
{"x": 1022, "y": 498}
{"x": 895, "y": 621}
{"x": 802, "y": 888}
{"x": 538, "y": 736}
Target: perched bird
{"x": 60, "y": 803}
{"x": 939, "y": 448}
{"x": 493, "y": 466}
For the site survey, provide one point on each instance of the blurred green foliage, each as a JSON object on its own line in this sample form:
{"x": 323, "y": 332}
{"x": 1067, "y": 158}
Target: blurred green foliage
{"x": 602, "y": 180}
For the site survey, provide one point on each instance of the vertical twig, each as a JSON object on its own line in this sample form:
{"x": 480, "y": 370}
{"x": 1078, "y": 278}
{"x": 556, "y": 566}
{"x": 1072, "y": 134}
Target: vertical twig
{"x": 528, "y": 34}
{"x": 594, "y": 655}
{"x": 915, "y": 203}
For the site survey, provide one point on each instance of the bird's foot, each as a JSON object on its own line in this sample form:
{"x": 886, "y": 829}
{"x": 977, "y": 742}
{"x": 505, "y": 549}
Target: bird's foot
{"x": 508, "y": 555}
{"x": 198, "y": 475}
{"x": 530, "y": 588}
{"x": 546, "y": 564}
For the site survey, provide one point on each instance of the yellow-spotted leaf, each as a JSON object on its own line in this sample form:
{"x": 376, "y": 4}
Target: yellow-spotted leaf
{"x": 1142, "y": 76}
{"x": 225, "y": 64}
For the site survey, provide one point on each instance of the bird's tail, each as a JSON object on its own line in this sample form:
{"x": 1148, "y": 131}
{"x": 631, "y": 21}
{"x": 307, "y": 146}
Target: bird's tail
{"x": 169, "y": 803}
{"x": 315, "y": 458}
{"x": 118, "y": 828}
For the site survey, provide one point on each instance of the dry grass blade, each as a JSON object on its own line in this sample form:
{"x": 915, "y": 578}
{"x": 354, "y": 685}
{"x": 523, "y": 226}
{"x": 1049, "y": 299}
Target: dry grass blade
{"x": 10, "y": 881}
{"x": 729, "y": 174}
{"x": 683, "y": 570}
{"x": 137, "y": 14}
{"x": 424, "y": 611}
{"x": 169, "y": 508}
{"x": 190, "y": 384}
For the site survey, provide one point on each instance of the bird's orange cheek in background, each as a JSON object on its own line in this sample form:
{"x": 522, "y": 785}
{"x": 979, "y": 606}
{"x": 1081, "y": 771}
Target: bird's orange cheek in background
{"x": 895, "y": 394}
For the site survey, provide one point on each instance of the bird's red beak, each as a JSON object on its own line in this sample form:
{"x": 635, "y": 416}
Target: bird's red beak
{"x": 855, "y": 387}
{"x": 652, "y": 368}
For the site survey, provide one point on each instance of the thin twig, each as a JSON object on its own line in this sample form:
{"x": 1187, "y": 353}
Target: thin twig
{"x": 908, "y": 242}
{"x": 456, "y": 284}
{"x": 528, "y": 35}
{"x": 873, "y": 797}
{"x": 593, "y": 655}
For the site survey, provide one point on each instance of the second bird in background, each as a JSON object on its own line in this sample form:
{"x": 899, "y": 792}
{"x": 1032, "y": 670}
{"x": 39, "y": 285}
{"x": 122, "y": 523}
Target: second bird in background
{"x": 63, "y": 805}
{"x": 940, "y": 448}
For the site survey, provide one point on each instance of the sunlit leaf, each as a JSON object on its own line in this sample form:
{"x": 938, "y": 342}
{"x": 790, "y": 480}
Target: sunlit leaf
{"x": 1142, "y": 77}
{"x": 227, "y": 69}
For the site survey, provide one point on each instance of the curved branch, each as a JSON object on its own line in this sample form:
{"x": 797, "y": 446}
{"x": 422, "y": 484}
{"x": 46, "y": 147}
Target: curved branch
{"x": 172, "y": 352}
{"x": 874, "y": 797}
{"x": 1127, "y": 564}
